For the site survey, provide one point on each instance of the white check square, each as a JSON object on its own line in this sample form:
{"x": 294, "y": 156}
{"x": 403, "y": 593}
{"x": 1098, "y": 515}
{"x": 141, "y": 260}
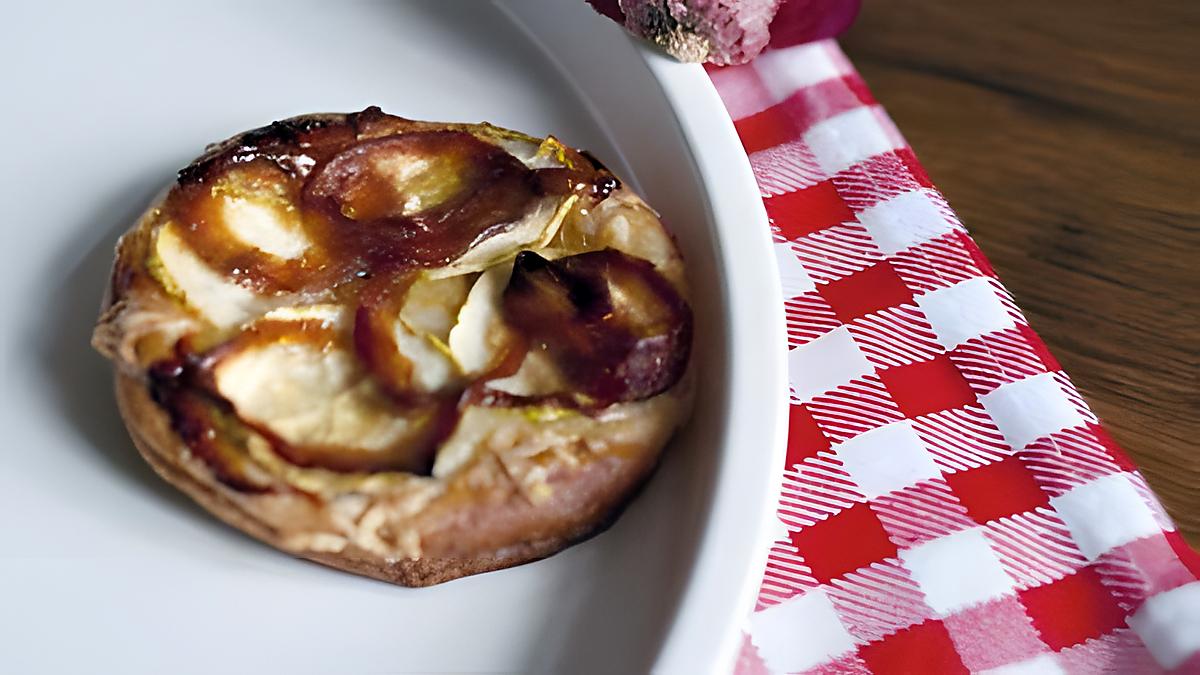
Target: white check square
{"x": 1169, "y": 624}
{"x": 800, "y": 633}
{"x": 826, "y": 363}
{"x": 786, "y": 71}
{"x": 792, "y": 275}
{"x": 957, "y": 571}
{"x": 848, "y": 138}
{"x": 888, "y": 458}
{"x": 965, "y": 310}
{"x": 743, "y": 93}
{"x": 906, "y": 220}
{"x": 1029, "y": 409}
{"x": 1104, "y": 514}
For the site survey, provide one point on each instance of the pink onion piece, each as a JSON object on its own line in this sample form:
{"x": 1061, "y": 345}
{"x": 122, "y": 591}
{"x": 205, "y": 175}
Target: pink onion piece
{"x": 728, "y": 32}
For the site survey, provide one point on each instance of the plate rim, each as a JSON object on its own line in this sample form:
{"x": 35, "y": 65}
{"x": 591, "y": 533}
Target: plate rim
{"x": 758, "y": 372}
{"x": 733, "y": 545}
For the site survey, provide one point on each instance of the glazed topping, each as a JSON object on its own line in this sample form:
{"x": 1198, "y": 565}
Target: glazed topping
{"x": 353, "y": 273}
{"x": 418, "y": 199}
{"x": 401, "y": 330}
{"x": 244, "y": 222}
{"x": 612, "y": 324}
{"x": 298, "y": 384}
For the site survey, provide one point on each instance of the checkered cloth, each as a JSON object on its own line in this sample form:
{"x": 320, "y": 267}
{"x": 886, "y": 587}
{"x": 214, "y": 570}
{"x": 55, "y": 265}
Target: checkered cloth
{"x": 950, "y": 503}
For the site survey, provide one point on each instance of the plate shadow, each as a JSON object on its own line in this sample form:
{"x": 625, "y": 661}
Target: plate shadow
{"x": 80, "y": 379}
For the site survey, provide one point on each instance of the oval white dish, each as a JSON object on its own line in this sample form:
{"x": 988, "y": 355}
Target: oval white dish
{"x": 103, "y": 567}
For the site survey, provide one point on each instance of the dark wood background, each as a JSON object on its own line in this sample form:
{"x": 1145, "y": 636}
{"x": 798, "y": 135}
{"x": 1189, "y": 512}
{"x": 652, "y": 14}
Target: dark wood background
{"x": 1066, "y": 134}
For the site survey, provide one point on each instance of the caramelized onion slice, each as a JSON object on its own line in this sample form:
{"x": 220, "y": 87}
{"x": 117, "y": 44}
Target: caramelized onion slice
{"x": 244, "y": 221}
{"x": 626, "y": 223}
{"x": 401, "y": 329}
{"x": 480, "y": 340}
{"x": 214, "y": 437}
{"x": 615, "y": 327}
{"x": 420, "y": 198}
{"x": 296, "y": 383}
{"x": 186, "y": 276}
{"x": 534, "y": 230}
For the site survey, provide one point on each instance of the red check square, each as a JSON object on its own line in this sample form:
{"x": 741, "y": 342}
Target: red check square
{"x": 870, "y": 290}
{"x": 805, "y": 211}
{"x": 923, "y": 648}
{"x": 996, "y": 490}
{"x": 1075, "y": 608}
{"x": 843, "y": 543}
{"x": 804, "y": 436}
{"x": 927, "y": 387}
{"x": 766, "y": 129}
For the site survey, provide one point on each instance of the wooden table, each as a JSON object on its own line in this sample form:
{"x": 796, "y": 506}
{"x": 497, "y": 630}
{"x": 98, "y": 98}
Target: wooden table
{"x": 1067, "y": 136}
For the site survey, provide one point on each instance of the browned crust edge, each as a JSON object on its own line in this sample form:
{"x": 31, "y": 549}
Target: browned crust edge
{"x": 149, "y": 428}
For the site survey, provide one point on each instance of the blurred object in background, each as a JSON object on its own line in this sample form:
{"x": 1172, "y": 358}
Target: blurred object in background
{"x": 726, "y": 32}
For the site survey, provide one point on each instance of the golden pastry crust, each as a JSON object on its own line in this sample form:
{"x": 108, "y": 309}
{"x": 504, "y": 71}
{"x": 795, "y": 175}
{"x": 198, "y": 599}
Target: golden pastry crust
{"x": 353, "y": 467}
{"x": 170, "y": 458}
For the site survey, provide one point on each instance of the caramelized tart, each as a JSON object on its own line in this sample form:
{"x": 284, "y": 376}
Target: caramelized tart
{"x": 410, "y": 350}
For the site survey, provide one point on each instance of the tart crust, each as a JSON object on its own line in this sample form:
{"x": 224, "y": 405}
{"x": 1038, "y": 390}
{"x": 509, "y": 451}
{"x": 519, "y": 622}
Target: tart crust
{"x": 522, "y": 482}
{"x": 162, "y": 449}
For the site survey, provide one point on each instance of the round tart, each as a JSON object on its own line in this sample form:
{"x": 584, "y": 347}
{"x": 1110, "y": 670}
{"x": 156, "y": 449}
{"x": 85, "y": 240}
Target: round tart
{"x": 410, "y": 350}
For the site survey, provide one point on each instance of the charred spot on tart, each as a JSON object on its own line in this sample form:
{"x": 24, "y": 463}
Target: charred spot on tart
{"x": 293, "y": 145}
{"x": 205, "y": 426}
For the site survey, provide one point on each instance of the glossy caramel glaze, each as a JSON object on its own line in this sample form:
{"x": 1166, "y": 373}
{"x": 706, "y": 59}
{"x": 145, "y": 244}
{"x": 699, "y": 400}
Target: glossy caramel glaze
{"x": 377, "y": 201}
{"x": 614, "y": 325}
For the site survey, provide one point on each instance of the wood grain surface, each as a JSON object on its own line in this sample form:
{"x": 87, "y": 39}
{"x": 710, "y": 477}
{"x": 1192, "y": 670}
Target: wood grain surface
{"x": 1067, "y": 136}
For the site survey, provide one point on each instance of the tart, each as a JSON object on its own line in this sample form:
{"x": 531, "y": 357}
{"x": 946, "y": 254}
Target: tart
{"x": 409, "y": 350}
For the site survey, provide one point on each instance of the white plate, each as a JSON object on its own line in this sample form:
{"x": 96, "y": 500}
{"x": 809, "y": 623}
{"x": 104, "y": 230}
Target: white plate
{"x": 104, "y": 568}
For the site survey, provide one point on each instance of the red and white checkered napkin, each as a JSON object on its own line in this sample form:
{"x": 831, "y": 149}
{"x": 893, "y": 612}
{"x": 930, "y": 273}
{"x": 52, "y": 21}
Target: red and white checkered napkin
{"x": 949, "y": 502}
